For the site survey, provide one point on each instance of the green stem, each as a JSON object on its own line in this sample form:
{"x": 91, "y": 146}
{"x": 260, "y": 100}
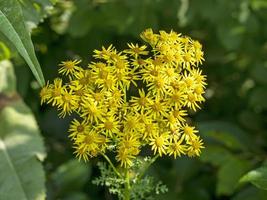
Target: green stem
{"x": 147, "y": 166}
{"x": 112, "y": 166}
{"x": 127, "y": 189}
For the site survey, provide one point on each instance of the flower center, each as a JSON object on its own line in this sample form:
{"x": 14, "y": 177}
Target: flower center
{"x": 159, "y": 142}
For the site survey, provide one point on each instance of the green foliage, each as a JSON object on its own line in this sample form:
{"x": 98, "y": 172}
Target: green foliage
{"x": 109, "y": 179}
{"x": 145, "y": 187}
{"x": 66, "y": 175}
{"x": 34, "y": 11}
{"x": 7, "y": 78}
{"x": 257, "y": 177}
{"x": 233, "y": 123}
{"x": 234, "y": 35}
{"x": 4, "y": 52}
{"x": 22, "y": 176}
{"x": 231, "y": 168}
{"x": 21, "y": 147}
{"x": 13, "y": 27}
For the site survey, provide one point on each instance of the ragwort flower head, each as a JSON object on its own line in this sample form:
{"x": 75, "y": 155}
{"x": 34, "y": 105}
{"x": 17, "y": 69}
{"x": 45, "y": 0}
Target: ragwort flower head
{"x": 126, "y": 100}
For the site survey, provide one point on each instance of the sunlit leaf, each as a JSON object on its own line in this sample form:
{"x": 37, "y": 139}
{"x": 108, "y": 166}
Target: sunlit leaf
{"x": 21, "y": 150}
{"x": 257, "y": 177}
{"x": 13, "y": 27}
{"x": 7, "y": 78}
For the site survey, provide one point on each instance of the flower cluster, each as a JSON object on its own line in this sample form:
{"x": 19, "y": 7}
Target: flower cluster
{"x": 126, "y": 100}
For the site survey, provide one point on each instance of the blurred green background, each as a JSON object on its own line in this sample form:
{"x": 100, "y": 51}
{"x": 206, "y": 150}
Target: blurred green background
{"x": 233, "y": 121}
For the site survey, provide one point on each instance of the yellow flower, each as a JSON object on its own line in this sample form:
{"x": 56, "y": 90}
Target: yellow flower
{"x": 81, "y": 153}
{"x": 45, "y": 93}
{"x": 129, "y": 141}
{"x": 135, "y": 50}
{"x": 198, "y": 52}
{"x": 150, "y": 129}
{"x": 170, "y": 74}
{"x": 68, "y": 102}
{"x": 125, "y": 157}
{"x": 158, "y": 108}
{"x": 189, "y": 132}
{"x": 179, "y": 114}
{"x": 131, "y": 123}
{"x": 149, "y": 36}
{"x": 104, "y": 53}
{"x": 69, "y": 67}
{"x": 84, "y": 78}
{"x": 97, "y": 96}
{"x": 159, "y": 143}
{"x": 142, "y": 102}
{"x": 91, "y": 111}
{"x": 111, "y": 118}
{"x": 122, "y": 79}
{"x": 149, "y": 72}
{"x": 195, "y": 146}
{"x": 192, "y": 101}
{"x": 56, "y": 92}
{"x": 107, "y": 84}
{"x": 110, "y": 125}
{"x": 120, "y": 64}
{"x": 176, "y": 148}
{"x": 198, "y": 77}
{"x": 189, "y": 81}
{"x": 133, "y": 77}
{"x": 172, "y": 121}
{"x": 77, "y": 127}
{"x": 100, "y": 73}
{"x": 138, "y": 62}
{"x": 89, "y": 142}
{"x": 158, "y": 85}
{"x": 177, "y": 98}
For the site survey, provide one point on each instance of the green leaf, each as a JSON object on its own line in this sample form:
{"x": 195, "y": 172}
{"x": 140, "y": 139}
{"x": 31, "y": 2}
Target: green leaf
{"x": 259, "y": 73}
{"x": 7, "y": 78}
{"x": 229, "y": 134}
{"x": 257, "y": 99}
{"x": 21, "y": 150}
{"x": 34, "y": 11}
{"x": 21, "y": 146}
{"x": 230, "y": 168}
{"x": 13, "y": 27}
{"x": 211, "y": 152}
{"x": 250, "y": 193}
{"x": 257, "y": 177}
{"x": 258, "y": 4}
{"x": 229, "y": 175}
{"x": 4, "y": 51}
{"x": 71, "y": 172}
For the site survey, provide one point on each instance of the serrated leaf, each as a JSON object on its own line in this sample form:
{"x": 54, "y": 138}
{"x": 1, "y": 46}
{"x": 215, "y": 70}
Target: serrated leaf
{"x": 257, "y": 177}
{"x": 21, "y": 150}
{"x": 13, "y": 27}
